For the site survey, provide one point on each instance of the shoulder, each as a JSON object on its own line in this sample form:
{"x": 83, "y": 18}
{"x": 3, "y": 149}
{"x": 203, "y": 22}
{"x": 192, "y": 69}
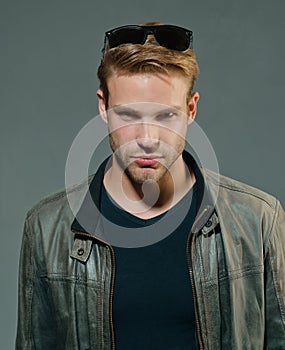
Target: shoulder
{"x": 233, "y": 191}
{"x": 59, "y": 204}
{"x": 246, "y": 211}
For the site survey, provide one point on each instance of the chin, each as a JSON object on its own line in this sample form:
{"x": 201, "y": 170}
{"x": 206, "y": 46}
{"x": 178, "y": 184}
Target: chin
{"x": 139, "y": 176}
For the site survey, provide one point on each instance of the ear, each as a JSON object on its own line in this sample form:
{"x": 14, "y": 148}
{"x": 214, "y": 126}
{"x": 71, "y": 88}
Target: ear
{"x": 102, "y": 105}
{"x": 192, "y": 106}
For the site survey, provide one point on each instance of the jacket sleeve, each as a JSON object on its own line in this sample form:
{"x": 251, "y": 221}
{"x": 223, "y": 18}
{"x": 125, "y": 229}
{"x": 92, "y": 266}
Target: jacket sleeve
{"x": 275, "y": 283}
{"x": 35, "y": 329}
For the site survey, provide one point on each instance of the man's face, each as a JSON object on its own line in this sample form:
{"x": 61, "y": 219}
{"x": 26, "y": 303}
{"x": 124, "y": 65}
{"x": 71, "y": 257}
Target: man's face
{"x": 147, "y": 116}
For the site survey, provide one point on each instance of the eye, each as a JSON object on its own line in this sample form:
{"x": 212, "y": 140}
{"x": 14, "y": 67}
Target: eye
{"x": 127, "y": 115}
{"x": 169, "y": 115}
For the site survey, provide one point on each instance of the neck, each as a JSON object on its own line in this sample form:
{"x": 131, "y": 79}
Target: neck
{"x": 151, "y": 198}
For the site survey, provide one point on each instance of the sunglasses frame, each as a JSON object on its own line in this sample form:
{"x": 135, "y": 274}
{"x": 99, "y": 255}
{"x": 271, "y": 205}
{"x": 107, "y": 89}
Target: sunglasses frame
{"x": 150, "y": 30}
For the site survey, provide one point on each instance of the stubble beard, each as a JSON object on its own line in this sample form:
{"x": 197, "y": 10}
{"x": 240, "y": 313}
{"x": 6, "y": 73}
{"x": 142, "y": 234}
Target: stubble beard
{"x": 139, "y": 175}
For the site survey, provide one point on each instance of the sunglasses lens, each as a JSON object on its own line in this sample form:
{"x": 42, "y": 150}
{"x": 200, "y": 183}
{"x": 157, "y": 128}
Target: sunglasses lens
{"x": 169, "y": 36}
{"x": 172, "y": 38}
{"x": 126, "y": 36}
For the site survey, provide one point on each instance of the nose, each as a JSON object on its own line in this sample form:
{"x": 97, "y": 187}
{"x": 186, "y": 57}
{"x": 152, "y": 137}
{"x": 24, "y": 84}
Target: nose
{"x": 147, "y": 137}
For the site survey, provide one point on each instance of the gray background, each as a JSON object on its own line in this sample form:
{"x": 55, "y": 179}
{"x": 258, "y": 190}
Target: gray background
{"x": 49, "y": 54}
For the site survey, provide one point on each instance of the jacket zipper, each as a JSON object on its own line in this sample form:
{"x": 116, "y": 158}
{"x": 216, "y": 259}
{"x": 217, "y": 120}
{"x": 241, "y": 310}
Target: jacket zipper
{"x": 113, "y": 345}
{"x": 189, "y": 245}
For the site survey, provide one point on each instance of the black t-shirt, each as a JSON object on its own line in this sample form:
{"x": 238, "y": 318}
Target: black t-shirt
{"x": 153, "y": 302}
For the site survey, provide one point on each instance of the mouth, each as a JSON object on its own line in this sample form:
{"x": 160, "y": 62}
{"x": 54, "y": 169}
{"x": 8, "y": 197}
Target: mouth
{"x": 147, "y": 161}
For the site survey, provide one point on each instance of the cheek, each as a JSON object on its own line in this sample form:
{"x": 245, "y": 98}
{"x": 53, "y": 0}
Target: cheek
{"x": 173, "y": 137}
{"x": 120, "y": 134}
{"x": 120, "y": 138}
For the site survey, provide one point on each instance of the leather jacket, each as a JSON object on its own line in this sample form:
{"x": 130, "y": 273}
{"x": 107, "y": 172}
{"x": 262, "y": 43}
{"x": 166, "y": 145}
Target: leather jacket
{"x": 236, "y": 261}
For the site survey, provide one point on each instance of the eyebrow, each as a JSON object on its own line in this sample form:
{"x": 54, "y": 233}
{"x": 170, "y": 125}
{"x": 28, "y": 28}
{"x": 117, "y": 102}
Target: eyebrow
{"x": 125, "y": 108}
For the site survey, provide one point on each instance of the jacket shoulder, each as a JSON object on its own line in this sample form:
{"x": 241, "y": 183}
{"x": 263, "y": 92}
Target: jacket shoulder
{"x": 231, "y": 187}
{"x": 59, "y": 201}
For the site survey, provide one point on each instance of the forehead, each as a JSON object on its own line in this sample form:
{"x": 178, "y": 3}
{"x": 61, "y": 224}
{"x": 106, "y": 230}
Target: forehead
{"x": 168, "y": 89}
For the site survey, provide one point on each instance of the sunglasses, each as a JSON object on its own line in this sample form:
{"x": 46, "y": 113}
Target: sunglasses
{"x": 170, "y": 36}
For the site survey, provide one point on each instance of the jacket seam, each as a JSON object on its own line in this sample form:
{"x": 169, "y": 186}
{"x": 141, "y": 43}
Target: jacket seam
{"x": 31, "y": 283}
{"x": 246, "y": 192}
{"x": 275, "y": 284}
{"x": 255, "y": 270}
{"x": 281, "y": 309}
{"x": 69, "y": 278}
{"x": 270, "y": 232}
{"x": 252, "y": 191}
{"x": 57, "y": 196}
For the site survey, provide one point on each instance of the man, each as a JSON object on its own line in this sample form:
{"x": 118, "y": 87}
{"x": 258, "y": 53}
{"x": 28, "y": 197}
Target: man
{"x": 214, "y": 279}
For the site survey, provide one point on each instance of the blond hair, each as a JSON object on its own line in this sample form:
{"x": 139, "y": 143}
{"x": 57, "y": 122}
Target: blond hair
{"x": 150, "y": 57}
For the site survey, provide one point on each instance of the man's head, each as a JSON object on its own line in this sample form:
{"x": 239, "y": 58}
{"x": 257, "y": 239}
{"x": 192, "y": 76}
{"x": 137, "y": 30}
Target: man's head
{"x": 149, "y": 57}
{"x": 146, "y": 99}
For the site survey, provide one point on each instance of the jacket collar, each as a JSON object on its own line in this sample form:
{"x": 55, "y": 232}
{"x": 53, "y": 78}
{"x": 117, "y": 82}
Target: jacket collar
{"x": 89, "y": 212}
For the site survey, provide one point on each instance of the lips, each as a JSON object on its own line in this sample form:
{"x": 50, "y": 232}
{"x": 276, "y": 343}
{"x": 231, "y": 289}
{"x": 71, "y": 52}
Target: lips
{"x": 146, "y": 161}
